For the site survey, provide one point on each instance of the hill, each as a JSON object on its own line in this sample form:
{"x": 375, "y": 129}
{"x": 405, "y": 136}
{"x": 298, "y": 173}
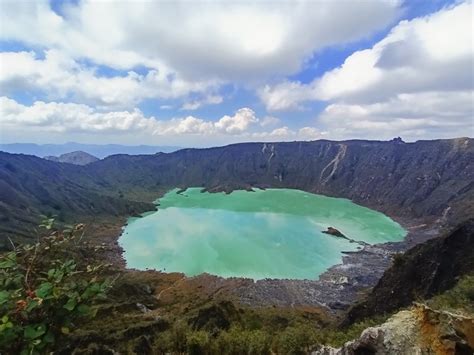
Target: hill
{"x": 31, "y": 187}
{"x": 77, "y": 158}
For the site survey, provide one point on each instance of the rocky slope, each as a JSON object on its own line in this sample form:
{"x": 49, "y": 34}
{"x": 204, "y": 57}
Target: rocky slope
{"x": 423, "y": 271}
{"x": 418, "y": 330}
{"x": 77, "y": 158}
{"x": 426, "y": 179}
{"x": 423, "y": 179}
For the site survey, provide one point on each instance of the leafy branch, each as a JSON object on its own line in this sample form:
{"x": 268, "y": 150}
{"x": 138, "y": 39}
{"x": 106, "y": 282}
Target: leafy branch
{"x": 44, "y": 291}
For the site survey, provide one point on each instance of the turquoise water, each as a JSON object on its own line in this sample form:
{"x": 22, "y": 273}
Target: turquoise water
{"x": 274, "y": 233}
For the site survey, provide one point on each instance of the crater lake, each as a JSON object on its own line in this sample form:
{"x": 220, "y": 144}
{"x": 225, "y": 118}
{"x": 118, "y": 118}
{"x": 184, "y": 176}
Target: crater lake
{"x": 273, "y": 233}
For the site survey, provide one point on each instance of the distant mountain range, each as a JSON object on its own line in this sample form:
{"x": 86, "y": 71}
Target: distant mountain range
{"x": 78, "y": 158}
{"x": 97, "y": 150}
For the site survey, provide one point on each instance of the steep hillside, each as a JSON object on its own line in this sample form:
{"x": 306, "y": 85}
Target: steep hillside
{"x": 77, "y": 158}
{"x": 422, "y": 179}
{"x": 427, "y": 179}
{"x": 30, "y": 186}
{"x": 423, "y": 271}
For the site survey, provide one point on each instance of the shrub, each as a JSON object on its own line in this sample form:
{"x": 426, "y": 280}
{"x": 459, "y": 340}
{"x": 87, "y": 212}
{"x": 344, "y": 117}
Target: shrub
{"x": 259, "y": 343}
{"x": 43, "y": 292}
{"x": 197, "y": 343}
{"x": 299, "y": 339}
{"x": 239, "y": 341}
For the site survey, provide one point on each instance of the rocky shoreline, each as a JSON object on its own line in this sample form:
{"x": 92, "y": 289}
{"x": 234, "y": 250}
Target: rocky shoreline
{"x": 335, "y": 290}
{"x": 341, "y": 285}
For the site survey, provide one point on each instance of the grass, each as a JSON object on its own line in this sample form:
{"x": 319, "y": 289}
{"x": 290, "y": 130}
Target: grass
{"x": 459, "y": 299}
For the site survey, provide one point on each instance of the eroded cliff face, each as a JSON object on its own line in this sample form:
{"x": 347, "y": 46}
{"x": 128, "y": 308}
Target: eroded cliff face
{"x": 418, "y": 330}
{"x": 433, "y": 179}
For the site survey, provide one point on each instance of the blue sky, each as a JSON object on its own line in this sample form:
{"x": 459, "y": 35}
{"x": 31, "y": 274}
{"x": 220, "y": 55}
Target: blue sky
{"x": 210, "y": 73}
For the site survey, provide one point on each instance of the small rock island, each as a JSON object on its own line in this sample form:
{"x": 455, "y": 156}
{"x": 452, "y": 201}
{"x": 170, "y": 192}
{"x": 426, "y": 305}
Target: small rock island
{"x": 335, "y": 232}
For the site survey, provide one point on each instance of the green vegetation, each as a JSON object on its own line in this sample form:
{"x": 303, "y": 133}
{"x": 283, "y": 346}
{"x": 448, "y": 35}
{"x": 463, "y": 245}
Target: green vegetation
{"x": 294, "y": 339}
{"x": 43, "y": 292}
{"x": 459, "y": 299}
{"x": 236, "y": 340}
{"x": 56, "y": 295}
{"x": 51, "y": 292}
{"x": 336, "y": 337}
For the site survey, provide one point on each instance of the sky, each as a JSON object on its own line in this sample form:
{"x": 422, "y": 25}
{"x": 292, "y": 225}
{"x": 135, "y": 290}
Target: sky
{"x": 205, "y": 73}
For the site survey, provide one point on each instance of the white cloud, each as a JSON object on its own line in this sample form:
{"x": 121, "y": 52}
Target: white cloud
{"x": 311, "y": 133}
{"x": 285, "y": 96}
{"x": 64, "y": 117}
{"x": 286, "y": 134}
{"x": 238, "y": 123}
{"x": 416, "y": 82}
{"x": 61, "y": 77}
{"x": 269, "y": 121}
{"x": 47, "y": 119}
{"x": 281, "y": 132}
{"x": 424, "y": 54}
{"x": 187, "y": 125}
{"x": 208, "y": 100}
{"x": 411, "y": 116}
{"x": 210, "y": 40}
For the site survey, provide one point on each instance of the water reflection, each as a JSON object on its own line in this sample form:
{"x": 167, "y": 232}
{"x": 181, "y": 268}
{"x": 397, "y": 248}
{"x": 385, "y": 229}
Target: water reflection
{"x": 229, "y": 235}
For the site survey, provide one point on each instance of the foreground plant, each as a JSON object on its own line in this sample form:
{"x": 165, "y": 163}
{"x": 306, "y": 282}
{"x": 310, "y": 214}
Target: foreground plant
{"x": 44, "y": 289}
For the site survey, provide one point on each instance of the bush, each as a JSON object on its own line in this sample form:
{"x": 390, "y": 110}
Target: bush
{"x": 42, "y": 292}
{"x": 259, "y": 342}
{"x": 295, "y": 340}
{"x": 198, "y": 343}
{"x": 238, "y": 341}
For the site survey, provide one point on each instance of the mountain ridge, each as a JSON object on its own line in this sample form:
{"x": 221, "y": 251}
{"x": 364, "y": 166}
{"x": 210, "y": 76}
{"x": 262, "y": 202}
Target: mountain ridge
{"x": 427, "y": 186}
{"x": 430, "y": 180}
